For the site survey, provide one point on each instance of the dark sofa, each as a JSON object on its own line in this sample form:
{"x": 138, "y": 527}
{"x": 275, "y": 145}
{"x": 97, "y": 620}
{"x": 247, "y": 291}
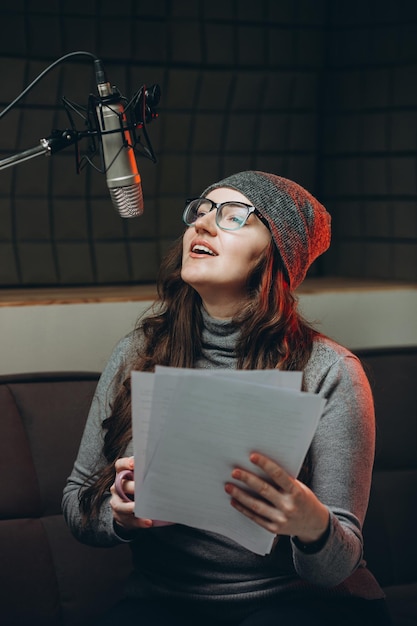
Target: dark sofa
{"x": 48, "y": 578}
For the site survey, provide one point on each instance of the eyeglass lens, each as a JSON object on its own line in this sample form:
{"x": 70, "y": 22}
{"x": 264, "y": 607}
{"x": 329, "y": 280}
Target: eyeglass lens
{"x": 230, "y": 215}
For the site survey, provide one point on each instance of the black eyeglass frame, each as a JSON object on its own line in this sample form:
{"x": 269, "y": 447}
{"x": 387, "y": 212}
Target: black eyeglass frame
{"x": 219, "y": 205}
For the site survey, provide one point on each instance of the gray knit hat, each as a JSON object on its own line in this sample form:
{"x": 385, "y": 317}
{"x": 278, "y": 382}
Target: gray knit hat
{"x": 299, "y": 224}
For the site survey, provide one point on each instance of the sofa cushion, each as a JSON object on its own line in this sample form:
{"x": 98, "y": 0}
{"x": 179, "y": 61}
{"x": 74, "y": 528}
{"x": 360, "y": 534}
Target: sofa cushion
{"x": 47, "y": 577}
{"x": 50, "y": 579}
{"x": 389, "y": 531}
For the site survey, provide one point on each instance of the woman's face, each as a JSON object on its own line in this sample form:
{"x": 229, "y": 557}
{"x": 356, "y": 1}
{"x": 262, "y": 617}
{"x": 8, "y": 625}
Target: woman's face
{"x": 217, "y": 263}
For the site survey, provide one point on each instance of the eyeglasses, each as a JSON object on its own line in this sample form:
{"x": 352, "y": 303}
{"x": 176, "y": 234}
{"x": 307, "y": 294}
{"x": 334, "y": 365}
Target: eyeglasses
{"x": 229, "y": 216}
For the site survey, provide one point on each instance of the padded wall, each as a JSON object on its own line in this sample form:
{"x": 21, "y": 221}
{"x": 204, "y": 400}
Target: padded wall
{"x": 323, "y": 92}
{"x": 368, "y": 138}
{"x": 238, "y": 92}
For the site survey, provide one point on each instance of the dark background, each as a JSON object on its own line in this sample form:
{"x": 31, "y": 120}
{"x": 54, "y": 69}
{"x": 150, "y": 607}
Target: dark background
{"x": 320, "y": 91}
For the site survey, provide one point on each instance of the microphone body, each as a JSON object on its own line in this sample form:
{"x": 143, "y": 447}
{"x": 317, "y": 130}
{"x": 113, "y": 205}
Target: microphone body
{"x": 122, "y": 176}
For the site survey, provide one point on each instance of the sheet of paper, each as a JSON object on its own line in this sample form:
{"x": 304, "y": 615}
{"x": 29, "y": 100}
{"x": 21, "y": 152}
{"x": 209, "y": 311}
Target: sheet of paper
{"x": 214, "y": 423}
{"x": 142, "y": 384}
{"x": 146, "y": 436}
{"x": 278, "y": 378}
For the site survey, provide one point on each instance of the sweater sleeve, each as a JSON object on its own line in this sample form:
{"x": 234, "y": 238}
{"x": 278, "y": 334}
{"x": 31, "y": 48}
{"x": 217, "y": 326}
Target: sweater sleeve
{"x": 342, "y": 455}
{"x": 100, "y": 531}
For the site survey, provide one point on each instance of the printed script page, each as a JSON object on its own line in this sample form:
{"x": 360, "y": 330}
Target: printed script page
{"x": 146, "y": 436}
{"x": 192, "y": 428}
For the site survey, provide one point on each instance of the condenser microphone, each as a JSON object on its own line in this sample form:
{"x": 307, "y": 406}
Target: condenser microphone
{"x": 122, "y": 176}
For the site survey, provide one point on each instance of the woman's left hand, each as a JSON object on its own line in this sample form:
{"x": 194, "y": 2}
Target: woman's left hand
{"x": 281, "y": 504}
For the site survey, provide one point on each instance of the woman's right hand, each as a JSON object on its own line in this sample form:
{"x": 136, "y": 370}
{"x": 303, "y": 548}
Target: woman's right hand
{"x": 123, "y": 509}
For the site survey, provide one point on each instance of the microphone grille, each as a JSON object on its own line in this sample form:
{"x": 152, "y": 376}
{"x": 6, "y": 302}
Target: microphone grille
{"x": 127, "y": 200}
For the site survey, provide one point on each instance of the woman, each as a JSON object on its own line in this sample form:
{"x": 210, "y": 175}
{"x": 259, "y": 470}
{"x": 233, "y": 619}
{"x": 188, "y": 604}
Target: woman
{"x": 225, "y": 300}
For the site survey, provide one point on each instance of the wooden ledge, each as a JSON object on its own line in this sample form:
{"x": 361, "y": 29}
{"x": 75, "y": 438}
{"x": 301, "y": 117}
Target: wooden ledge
{"x": 137, "y": 293}
{"x": 76, "y": 295}
{"x": 339, "y": 284}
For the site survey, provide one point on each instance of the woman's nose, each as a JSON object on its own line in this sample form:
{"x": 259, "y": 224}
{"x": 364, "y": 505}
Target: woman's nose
{"x": 207, "y": 222}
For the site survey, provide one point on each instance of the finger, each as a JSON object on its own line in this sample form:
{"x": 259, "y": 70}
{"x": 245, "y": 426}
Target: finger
{"x": 118, "y": 493}
{"x": 257, "y": 484}
{"x": 138, "y": 522}
{"x": 255, "y": 509}
{"x": 129, "y": 488}
{"x": 132, "y": 523}
{"x": 279, "y": 476}
{"x": 125, "y": 463}
{"x": 123, "y": 513}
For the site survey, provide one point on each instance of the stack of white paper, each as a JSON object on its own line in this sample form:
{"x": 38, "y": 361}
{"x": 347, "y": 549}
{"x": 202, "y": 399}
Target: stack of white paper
{"x": 192, "y": 427}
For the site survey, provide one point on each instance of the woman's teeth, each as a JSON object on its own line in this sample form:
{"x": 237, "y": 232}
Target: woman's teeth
{"x": 203, "y": 250}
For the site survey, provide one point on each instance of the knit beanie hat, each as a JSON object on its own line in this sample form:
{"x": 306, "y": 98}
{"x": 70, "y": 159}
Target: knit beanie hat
{"x": 299, "y": 224}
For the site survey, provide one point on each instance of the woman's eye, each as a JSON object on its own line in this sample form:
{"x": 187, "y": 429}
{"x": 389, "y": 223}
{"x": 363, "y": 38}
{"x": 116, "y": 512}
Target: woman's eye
{"x": 236, "y": 219}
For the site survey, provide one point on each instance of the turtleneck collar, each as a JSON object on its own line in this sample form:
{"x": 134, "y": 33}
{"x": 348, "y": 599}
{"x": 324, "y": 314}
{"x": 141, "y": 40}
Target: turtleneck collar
{"x": 219, "y": 339}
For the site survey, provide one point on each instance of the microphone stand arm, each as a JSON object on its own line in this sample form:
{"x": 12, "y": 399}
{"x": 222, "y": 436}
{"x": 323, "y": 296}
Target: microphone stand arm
{"x": 58, "y": 140}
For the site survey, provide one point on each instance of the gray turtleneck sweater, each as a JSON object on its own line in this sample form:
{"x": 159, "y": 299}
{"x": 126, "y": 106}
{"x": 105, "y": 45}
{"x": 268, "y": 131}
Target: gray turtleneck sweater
{"x": 180, "y": 562}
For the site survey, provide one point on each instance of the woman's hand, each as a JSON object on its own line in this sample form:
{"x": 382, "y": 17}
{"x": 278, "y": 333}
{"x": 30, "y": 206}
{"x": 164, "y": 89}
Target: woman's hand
{"x": 123, "y": 511}
{"x": 281, "y": 504}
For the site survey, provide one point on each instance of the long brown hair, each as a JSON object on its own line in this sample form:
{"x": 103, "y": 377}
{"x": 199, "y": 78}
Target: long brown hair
{"x": 273, "y": 335}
